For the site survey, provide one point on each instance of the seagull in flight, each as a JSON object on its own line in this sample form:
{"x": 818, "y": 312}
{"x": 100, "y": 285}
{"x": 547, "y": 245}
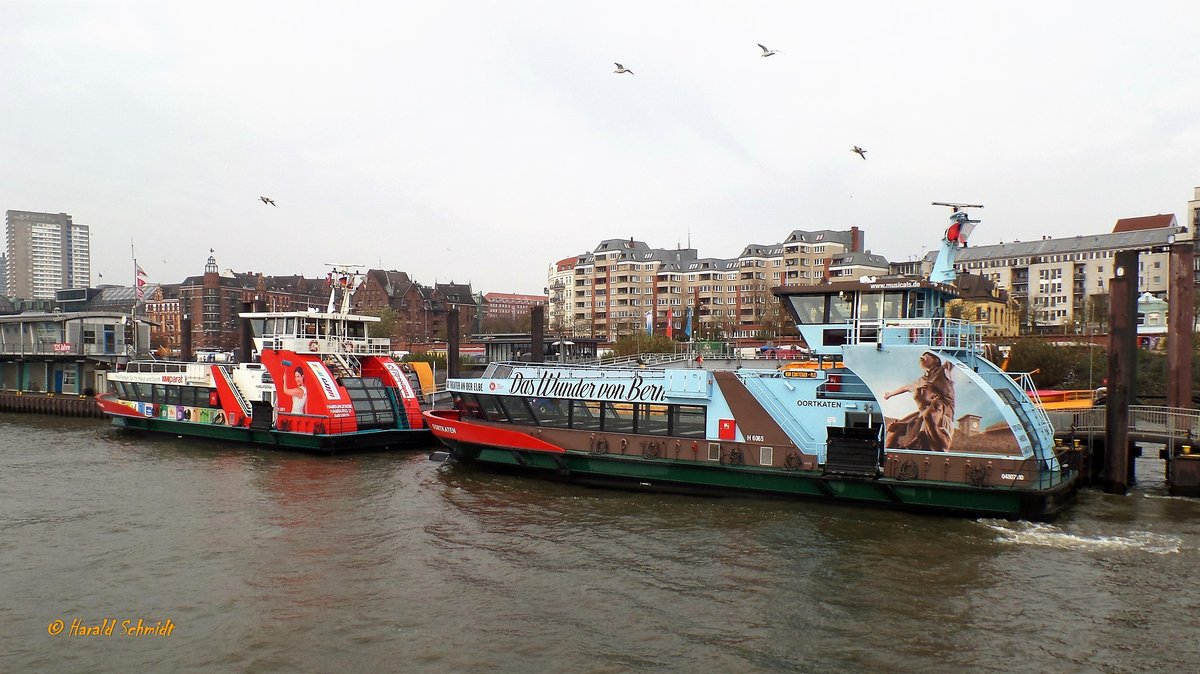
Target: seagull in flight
{"x": 859, "y": 151}
{"x": 267, "y": 200}
{"x": 621, "y": 69}
{"x": 767, "y": 52}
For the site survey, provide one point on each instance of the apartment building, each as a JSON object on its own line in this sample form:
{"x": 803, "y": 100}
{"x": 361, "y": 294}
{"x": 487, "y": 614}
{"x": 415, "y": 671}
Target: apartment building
{"x": 46, "y": 252}
{"x": 617, "y": 286}
{"x": 1062, "y": 284}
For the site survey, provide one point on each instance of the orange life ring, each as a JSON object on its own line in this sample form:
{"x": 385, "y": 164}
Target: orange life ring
{"x": 313, "y": 345}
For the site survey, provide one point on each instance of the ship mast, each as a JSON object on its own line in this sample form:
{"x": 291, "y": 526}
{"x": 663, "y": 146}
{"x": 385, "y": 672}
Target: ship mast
{"x": 961, "y": 226}
{"x": 342, "y": 280}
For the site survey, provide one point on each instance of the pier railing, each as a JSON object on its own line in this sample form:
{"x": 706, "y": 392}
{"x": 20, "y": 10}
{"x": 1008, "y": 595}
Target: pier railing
{"x": 1147, "y": 423}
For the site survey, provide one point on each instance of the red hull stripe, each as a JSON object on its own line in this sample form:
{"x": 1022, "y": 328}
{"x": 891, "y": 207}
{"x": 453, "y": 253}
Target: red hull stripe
{"x": 447, "y": 425}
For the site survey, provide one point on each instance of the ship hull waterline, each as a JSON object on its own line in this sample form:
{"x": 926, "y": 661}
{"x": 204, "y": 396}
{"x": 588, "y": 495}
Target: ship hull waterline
{"x": 665, "y": 475}
{"x": 360, "y": 441}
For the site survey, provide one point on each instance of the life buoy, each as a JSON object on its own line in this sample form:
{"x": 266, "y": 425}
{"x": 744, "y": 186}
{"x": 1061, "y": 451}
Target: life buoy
{"x": 348, "y": 347}
{"x": 313, "y": 345}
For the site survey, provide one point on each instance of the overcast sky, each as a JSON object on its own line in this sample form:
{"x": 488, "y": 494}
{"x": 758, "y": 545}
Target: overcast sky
{"x": 482, "y": 141}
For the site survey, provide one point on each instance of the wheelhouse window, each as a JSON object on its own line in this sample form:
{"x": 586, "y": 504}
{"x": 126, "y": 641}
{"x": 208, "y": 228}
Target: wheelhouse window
{"x": 808, "y": 309}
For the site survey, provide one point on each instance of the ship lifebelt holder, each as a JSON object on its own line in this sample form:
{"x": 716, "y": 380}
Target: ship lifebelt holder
{"x": 313, "y": 346}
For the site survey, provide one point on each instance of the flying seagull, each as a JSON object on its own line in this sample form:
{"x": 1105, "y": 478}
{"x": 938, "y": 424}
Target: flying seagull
{"x": 861, "y": 152}
{"x": 267, "y": 200}
{"x": 621, "y": 69}
{"x": 767, "y": 52}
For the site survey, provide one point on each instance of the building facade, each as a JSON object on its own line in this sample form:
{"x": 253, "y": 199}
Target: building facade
{"x": 46, "y": 252}
{"x": 623, "y": 285}
{"x": 1061, "y": 285}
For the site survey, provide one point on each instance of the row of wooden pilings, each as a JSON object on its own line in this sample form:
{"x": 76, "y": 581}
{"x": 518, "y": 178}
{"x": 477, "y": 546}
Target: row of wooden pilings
{"x": 50, "y": 403}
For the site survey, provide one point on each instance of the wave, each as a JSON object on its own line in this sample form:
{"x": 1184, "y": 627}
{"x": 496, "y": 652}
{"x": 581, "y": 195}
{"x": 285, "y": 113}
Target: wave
{"x": 1048, "y": 535}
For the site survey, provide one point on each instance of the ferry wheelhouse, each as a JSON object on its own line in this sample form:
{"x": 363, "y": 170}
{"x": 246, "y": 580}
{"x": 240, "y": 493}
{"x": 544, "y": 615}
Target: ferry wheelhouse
{"x": 319, "y": 384}
{"x": 903, "y": 411}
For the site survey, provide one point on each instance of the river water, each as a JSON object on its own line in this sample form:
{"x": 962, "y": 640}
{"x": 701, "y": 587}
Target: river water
{"x": 276, "y": 562}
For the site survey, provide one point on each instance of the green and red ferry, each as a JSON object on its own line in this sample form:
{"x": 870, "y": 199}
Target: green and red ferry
{"x": 319, "y": 384}
{"x": 903, "y": 410}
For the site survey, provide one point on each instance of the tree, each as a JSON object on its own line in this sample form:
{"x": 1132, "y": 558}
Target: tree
{"x": 629, "y": 345}
{"x": 386, "y": 326}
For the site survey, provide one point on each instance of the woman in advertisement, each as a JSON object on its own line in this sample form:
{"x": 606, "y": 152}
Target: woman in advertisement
{"x": 298, "y": 392}
{"x": 932, "y": 425}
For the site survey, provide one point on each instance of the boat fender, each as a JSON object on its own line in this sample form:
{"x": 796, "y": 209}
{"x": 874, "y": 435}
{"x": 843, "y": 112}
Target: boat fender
{"x": 212, "y": 398}
{"x": 913, "y": 335}
{"x": 695, "y": 446}
{"x": 650, "y": 450}
{"x": 319, "y": 428}
{"x": 941, "y": 341}
{"x": 601, "y": 446}
{"x": 313, "y": 345}
{"x": 624, "y": 444}
{"x": 792, "y": 461}
{"x": 908, "y": 470}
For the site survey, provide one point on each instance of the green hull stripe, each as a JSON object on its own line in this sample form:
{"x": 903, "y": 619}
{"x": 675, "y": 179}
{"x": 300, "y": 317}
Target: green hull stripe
{"x": 884, "y": 491}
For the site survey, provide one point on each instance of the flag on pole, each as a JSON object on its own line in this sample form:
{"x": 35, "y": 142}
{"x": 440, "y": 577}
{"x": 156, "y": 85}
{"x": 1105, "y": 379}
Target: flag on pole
{"x": 139, "y": 280}
{"x": 687, "y": 324}
{"x": 670, "y": 325}
{"x": 649, "y": 322}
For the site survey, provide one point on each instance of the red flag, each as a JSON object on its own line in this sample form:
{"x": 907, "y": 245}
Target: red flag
{"x": 670, "y": 327}
{"x": 139, "y": 270}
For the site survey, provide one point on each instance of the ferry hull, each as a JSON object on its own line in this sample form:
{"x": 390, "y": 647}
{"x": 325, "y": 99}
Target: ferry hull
{"x": 634, "y": 472}
{"x": 361, "y": 441}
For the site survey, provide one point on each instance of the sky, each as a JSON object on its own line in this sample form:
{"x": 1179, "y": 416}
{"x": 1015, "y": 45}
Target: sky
{"x": 482, "y": 141}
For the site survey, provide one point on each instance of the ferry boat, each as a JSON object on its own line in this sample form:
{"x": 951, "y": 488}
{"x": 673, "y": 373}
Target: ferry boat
{"x": 319, "y": 384}
{"x": 911, "y": 415}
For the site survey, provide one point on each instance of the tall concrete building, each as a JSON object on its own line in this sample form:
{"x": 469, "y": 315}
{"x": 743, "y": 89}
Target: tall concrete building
{"x": 3, "y": 273}
{"x": 46, "y": 253}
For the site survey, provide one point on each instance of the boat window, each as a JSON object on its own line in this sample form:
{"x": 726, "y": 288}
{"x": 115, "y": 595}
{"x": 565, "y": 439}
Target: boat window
{"x": 491, "y": 407}
{"x": 160, "y": 393}
{"x": 172, "y": 395}
{"x": 187, "y": 396}
{"x": 469, "y": 405}
{"x": 552, "y": 412}
{"x": 808, "y": 308}
{"x": 310, "y": 327}
{"x": 916, "y": 305}
{"x": 652, "y": 419}
{"x": 121, "y": 392}
{"x": 893, "y": 305}
{"x": 356, "y": 330}
{"x": 688, "y": 421}
{"x": 256, "y": 326}
{"x": 841, "y": 307}
{"x": 618, "y": 417}
{"x": 870, "y": 306}
{"x": 517, "y": 409}
{"x": 290, "y": 326}
{"x": 585, "y": 414}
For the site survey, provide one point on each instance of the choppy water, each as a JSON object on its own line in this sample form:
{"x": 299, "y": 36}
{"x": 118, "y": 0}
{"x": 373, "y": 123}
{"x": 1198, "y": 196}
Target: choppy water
{"x": 275, "y": 562}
